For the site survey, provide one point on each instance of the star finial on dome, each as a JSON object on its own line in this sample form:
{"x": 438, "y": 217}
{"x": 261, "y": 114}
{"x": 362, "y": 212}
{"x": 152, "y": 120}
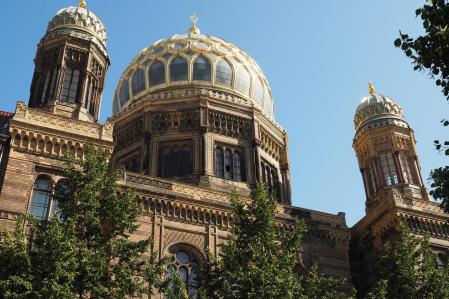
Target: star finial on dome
{"x": 371, "y": 89}
{"x": 194, "y": 29}
{"x": 83, "y": 4}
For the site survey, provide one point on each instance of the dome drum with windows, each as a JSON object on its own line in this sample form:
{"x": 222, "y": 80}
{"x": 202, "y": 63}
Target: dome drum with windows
{"x": 194, "y": 59}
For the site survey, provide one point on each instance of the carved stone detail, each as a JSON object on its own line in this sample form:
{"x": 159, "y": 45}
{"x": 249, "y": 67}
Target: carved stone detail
{"x": 270, "y": 145}
{"x": 128, "y": 134}
{"x": 175, "y": 236}
{"x": 182, "y": 121}
{"x": 229, "y": 125}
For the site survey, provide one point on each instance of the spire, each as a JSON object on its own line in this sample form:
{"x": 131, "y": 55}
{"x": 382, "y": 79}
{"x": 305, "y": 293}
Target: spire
{"x": 371, "y": 89}
{"x": 194, "y": 29}
{"x": 83, "y": 4}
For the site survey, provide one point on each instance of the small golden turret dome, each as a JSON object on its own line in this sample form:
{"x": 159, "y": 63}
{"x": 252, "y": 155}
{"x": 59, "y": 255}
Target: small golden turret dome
{"x": 377, "y": 109}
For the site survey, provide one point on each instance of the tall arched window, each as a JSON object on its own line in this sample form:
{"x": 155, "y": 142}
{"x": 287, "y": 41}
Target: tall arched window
{"x": 219, "y": 162}
{"x": 223, "y": 73}
{"x": 156, "y": 73}
{"x": 406, "y": 167}
{"x": 186, "y": 261}
{"x": 124, "y": 93}
{"x": 138, "y": 82}
{"x": 237, "y": 171}
{"x": 229, "y": 163}
{"x": 389, "y": 169}
{"x": 178, "y": 69}
{"x": 69, "y": 91}
{"x": 49, "y": 85}
{"x": 201, "y": 69}
{"x": 242, "y": 80}
{"x": 175, "y": 160}
{"x": 41, "y": 198}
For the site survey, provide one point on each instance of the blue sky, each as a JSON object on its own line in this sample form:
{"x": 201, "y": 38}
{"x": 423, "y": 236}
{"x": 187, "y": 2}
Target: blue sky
{"x": 317, "y": 55}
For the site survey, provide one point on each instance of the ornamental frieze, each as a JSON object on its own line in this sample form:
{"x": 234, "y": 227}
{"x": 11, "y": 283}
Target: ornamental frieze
{"x": 229, "y": 125}
{"x": 128, "y": 134}
{"x": 181, "y": 120}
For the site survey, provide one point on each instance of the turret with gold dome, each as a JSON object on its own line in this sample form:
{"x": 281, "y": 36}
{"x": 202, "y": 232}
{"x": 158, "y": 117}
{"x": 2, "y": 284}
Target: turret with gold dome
{"x": 386, "y": 151}
{"x": 70, "y": 65}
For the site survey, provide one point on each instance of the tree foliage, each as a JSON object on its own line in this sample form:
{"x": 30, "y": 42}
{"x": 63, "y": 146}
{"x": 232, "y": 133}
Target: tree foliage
{"x": 408, "y": 269}
{"x": 86, "y": 250}
{"x": 257, "y": 262}
{"x": 430, "y": 52}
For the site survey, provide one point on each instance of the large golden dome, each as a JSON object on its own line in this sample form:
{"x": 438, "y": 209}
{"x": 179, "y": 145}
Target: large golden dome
{"x": 194, "y": 59}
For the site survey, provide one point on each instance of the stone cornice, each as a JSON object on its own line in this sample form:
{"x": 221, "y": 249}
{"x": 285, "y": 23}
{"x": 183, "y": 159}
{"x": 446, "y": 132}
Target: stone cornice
{"x": 30, "y": 117}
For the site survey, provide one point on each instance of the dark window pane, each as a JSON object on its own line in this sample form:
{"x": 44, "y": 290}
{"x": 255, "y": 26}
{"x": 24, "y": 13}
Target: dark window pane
{"x": 70, "y": 85}
{"x": 138, "y": 82}
{"x": 156, "y": 73}
{"x": 201, "y": 69}
{"x": 41, "y": 198}
{"x": 178, "y": 69}
{"x": 237, "y": 167}
{"x": 223, "y": 74}
{"x": 228, "y": 165}
{"x": 219, "y": 162}
{"x": 124, "y": 93}
{"x": 182, "y": 257}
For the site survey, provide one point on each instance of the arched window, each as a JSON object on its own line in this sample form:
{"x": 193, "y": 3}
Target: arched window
{"x": 201, "y": 69}
{"x": 406, "y": 167}
{"x": 138, "y": 82}
{"x": 178, "y": 69}
{"x": 242, "y": 80}
{"x": 41, "y": 198}
{"x": 156, "y": 73}
{"x": 258, "y": 90}
{"x": 124, "y": 93}
{"x": 389, "y": 169}
{"x": 219, "y": 162}
{"x": 223, "y": 73}
{"x": 175, "y": 161}
{"x": 49, "y": 85}
{"x": 237, "y": 171}
{"x": 186, "y": 261}
{"x": 69, "y": 91}
{"x": 228, "y": 164}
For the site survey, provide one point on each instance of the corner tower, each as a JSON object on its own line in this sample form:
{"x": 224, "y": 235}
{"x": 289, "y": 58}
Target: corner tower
{"x": 70, "y": 65}
{"x": 385, "y": 147}
{"x": 386, "y": 151}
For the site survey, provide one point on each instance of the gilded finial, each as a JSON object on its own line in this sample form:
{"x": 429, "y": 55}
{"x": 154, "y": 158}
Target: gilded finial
{"x": 194, "y": 29}
{"x": 83, "y": 4}
{"x": 371, "y": 89}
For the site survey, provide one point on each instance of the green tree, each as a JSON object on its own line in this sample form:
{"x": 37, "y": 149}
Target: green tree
{"x": 257, "y": 262}
{"x": 408, "y": 269}
{"x": 430, "y": 53}
{"x": 86, "y": 249}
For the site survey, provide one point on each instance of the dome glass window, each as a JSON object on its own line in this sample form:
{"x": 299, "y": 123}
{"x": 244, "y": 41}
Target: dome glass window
{"x": 156, "y": 73}
{"x": 242, "y": 80}
{"x": 223, "y": 73}
{"x": 201, "y": 69}
{"x": 258, "y": 90}
{"x": 178, "y": 69}
{"x": 124, "y": 93}
{"x": 138, "y": 81}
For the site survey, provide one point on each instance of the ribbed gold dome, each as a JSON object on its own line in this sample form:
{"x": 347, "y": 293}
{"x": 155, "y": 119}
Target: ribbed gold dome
{"x": 223, "y": 67}
{"x": 79, "y": 22}
{"x": 376, "y": 109}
